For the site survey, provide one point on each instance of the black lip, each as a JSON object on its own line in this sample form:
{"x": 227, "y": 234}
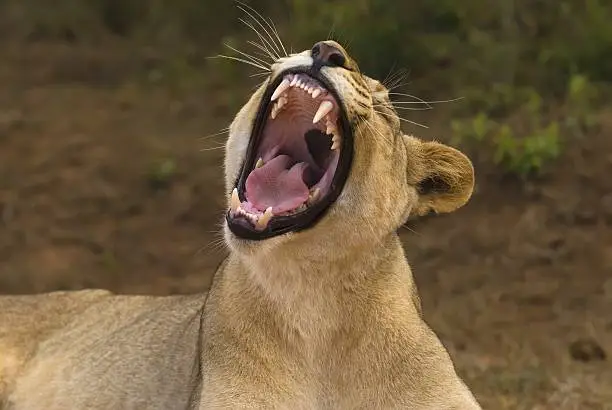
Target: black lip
{"x": 303, "y": 220}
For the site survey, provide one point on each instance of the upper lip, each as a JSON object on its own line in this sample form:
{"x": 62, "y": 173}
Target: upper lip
{"x": 283, "y": 224}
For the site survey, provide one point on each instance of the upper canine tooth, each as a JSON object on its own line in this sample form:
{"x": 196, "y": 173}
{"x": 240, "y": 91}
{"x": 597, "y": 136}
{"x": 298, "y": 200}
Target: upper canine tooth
{"x": 316, "y": 93}
{"x": 324, "y": 109}
{"x": 259, "y": 163}
{"x": 263, "y": 220}
{"x": 235, "y": 201}
{"x": 282, "y": 87}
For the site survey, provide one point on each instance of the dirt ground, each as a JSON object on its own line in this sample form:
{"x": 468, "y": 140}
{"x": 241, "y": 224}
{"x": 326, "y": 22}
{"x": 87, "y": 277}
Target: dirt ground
{"x": 107, "y": 184}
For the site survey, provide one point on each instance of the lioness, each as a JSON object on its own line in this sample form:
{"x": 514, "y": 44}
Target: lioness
{"x": 315, "y": 308}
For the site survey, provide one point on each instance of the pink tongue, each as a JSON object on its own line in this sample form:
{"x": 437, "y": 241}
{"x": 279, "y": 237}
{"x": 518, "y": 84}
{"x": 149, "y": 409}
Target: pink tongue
{"x": 277, "y": 186}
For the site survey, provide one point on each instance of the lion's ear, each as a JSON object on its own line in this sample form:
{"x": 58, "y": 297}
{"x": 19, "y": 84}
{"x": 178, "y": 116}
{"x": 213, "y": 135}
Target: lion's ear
{"x": 442, "y": 176}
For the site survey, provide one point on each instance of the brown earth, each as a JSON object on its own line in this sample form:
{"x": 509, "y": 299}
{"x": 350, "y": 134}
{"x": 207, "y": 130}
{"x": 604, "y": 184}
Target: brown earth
{"x": 108, "y": 184}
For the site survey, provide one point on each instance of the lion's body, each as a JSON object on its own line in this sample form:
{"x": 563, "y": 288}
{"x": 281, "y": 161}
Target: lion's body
{"x": 325, "y": 318}
{"x": 95, "y": 350}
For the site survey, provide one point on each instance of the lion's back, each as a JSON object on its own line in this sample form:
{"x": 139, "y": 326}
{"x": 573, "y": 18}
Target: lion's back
{"x": 95, "y": 350}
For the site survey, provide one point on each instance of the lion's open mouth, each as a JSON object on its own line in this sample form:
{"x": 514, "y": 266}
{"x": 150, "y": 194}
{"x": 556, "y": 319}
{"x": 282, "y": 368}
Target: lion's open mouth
{"x": 300, "y": 142}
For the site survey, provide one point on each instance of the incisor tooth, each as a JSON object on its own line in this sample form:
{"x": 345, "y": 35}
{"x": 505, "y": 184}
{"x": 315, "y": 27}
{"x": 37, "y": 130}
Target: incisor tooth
{"x": 316, "y": 93}
{"x": 282, "y": 87}
{"x": 294, "y": 81}
{"x": 324, "y": 109}
{"x": 263, "y": 220}
{"x": 259, "y": 163}
{"x": 235, "y": 201}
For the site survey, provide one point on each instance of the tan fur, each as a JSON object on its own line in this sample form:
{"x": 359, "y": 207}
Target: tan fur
{"x": 327, "y": 318}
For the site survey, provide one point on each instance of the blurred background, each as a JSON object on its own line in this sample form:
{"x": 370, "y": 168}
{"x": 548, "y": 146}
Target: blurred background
{"x": 110, "y": 162}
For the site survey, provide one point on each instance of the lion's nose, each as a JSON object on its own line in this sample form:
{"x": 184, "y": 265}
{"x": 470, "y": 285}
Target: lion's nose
{"x": 324, "y": 54}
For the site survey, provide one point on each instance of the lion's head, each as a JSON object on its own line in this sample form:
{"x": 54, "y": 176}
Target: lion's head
{"x": 316, "y": 160}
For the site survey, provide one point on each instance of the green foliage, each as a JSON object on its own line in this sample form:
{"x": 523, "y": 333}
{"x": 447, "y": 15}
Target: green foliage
{"x": 526, "y": 156}
{"x": 456, "y": 45}
{"x": 161, "y": 174}
{"x": 470, "y": 43}
{"x": 511, "y": 61}
{"x": 522, "y": 155}
{"x": 581, "y": 99}
{"x": 525, "y": 136}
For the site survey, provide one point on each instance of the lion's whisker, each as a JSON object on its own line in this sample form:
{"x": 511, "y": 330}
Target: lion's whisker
{"x": 407, "y": 108}
{"x": 332, "y": 31}
{"x": 378, "y": 132}
{"x": 258, "y": 22}
{"x": 266, "y": 41}
{"x": 264, "y": 49}
{"x": 242, "y": 60}
{"x": 248, "y": 56}
{"x": 213, "y": 148}
{"x": 414, "y": 97}
{"x": 405, "y": 226}
{"x": 413, "y": 122}
{"x": 278, "y": 37}
{"x": 258, "y": 75}
{"x": 403, "y": 119}
{"x": 268, "y": 22}
{"x": 215, "y": 245}
{"x": 395, "y": 80}
{"x": 259, "y": 85}
{"x": 399, "y": 84}
{"x": 427, "y": 102}
{"x": 221, "y": 132}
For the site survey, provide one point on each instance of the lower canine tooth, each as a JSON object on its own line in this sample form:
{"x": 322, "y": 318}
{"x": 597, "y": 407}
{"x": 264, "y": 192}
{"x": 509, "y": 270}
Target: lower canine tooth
{"x": 314, "y": 195}
{"x": 335, "y": 142}
{"x": 235, "y": 201}
{"x": 324, "y": 109}
{"x": 263, "y": 220}
{"x": 259, "y": 163}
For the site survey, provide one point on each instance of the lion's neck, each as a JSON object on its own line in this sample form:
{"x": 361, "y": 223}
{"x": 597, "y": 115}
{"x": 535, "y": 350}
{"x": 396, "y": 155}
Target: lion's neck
{"x": 316, "y": 299}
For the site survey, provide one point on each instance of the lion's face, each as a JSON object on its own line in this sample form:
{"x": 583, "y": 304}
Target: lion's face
{"x": 316, "y": 159}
